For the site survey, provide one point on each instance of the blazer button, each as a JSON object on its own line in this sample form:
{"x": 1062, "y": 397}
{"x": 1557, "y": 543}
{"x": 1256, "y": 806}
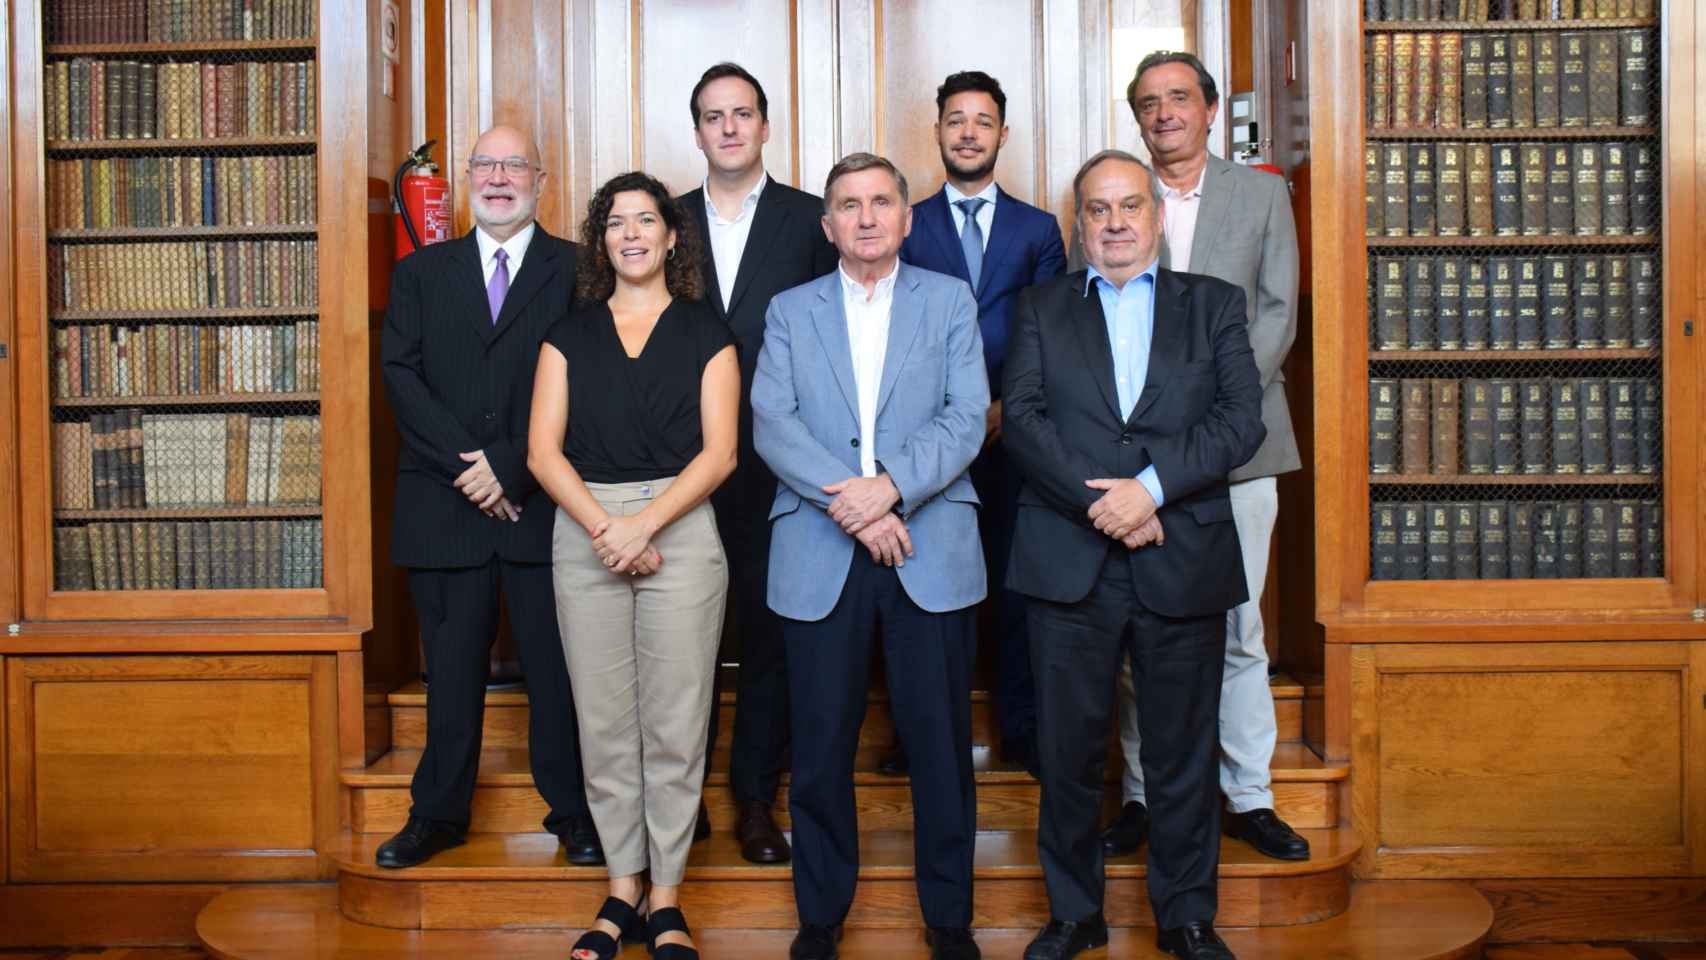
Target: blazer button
{"x": 490, "y": 415}
{"x": 854, "y": 441}
{"x": 1125, "y": 438}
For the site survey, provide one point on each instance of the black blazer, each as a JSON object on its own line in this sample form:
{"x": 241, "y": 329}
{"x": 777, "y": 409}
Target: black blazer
{"x": 1198, "y": 417}
{"x": 458, "y": 382}
{"x": 785, "y": 248}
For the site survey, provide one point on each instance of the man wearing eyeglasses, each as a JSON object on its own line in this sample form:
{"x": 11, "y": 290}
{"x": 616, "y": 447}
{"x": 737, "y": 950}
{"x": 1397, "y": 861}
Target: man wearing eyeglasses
{"x": 461, "y": 343}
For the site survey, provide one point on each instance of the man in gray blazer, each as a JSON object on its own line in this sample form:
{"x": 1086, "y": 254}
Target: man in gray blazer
{"x": 868, "y": 405}
{"x": 1231, "y": 222}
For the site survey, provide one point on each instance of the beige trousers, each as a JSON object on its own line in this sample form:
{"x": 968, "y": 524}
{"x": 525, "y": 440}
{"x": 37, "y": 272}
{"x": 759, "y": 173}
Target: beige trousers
{"x": 642, "y": 653}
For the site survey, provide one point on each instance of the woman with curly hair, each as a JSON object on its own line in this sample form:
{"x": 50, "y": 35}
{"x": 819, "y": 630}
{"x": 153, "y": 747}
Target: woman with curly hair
{"x": 633, "y": 425}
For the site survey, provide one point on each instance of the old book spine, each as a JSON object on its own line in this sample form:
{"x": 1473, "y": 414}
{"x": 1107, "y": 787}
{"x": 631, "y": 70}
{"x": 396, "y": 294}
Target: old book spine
{"x": 1528, "y": 303}
{"x": 1448, "y": 189}
{"x": 1652, "y": 539}
{"x": 1566, "y": 428}
{"x": 1383, "y": 426}
{"x": 1545, "y": 540}
{"x": 1519, "y": 515}
{"x": 1415, "y": 427}
{"x": 1644, "y": 315}
{"x": 1598, "y": 530}
{"x": 184, "y": 553}
{"x": 1494, "y": 530}
{"x": 1536, "y": 426}
{"x": 1507, "y": 190}
{"x": 1391, "y": 306}
{"x": 147, "y": 108}
{"x": 1626, "y": 538}
{"x": 1450, "y": 99}
{"x": 1385, "y": 550}
{"x": 1545, "y": 79}
{"x": 1478, "y": 196}
{"x": 1403, "y": 79}
{"x": 1557, "y": 319}
{"x": 1477, "y": 316}
{"x": 1477, "y": 400}
{"x": 1437, "y": 517}
{"x": 1533, "y": 184}
{"x": 1586, "y": 175}
{"x": 1448, "y": 317}
{"x": 1643, "y": 189}
{"x": 1507, "y": 426}
{"x": 1649, "y": 426}
{"x": 1412, "y": 542}
{"x": 1570, "y": 541}
{"x": 1474, "y": 81}
{"x": 1560, "y": 191}
{"x": 1498, "y": 80}
{"x": 130, "y": 102}
{"x": 1604, "y": 78}
{"x": 1421, "y": 186}
{"x": 1465, "y": 542}
{"x": 1614, "y": 219}
{"x": 1590, "y": 302}
{"x": 1573, "y": 79}
{"x": 1617, "y": 310}
{"x": 1634, "y": 79}
{"x": 1373, "y": 191}
{"x": 1596, "y": 426}
{"x": 1426, "y": 85}
{"x": 1420, "y": 304}
{"x": 1501, "y": 303}
{"x": 1443, "y": 440}
{"x": 1625, "y": 431}
{"x": 1522, "y": 79}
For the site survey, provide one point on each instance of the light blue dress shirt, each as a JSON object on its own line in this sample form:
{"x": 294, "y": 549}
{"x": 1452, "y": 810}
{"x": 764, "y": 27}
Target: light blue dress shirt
{"x": 1130, "y": 314}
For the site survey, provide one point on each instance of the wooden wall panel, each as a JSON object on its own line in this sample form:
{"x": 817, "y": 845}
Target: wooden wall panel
{"x": 170, "y": 768}
{"x": 9, "y": 586}
{"x": 1541, "y": 759}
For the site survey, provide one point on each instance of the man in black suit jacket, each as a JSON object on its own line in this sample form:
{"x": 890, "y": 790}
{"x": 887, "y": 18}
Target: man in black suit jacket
{"x": 461, "y": 343}
{"x": 761, "y": 237}
{"x": 1125, "y": 545}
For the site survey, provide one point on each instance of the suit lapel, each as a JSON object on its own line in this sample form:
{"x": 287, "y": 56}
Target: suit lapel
{"x": 538, "y": 265}
{"x": 905, "y": 319}
{"x": 831, "y": 323}
{"x": 1091, "y": 325}
{"x": 1213, "y": 207}
{"x": 695, "y": 203}
{"x": 939, "y": 224}
{"x": 1167, "y": 342}
{"x": 470, "y": 282}
{"x": 767, "y": 222}
{"x": 1000, "y": 237}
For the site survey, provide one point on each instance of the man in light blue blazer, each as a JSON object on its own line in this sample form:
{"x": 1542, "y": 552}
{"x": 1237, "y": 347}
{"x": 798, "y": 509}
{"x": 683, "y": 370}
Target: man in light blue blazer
{"x": 868, "y": 405}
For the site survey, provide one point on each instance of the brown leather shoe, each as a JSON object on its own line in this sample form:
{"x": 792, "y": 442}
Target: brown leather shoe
{"x": 761, "y": 841}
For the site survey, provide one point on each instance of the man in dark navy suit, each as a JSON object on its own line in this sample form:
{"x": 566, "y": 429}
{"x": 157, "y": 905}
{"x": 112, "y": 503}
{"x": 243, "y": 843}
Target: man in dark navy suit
{"x": 997, "y": 243}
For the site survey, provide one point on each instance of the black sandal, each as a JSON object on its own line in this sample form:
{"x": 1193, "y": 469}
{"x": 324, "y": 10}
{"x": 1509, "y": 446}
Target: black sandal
{"x": 624, "y": 917}
{"x": 668, "y": 920}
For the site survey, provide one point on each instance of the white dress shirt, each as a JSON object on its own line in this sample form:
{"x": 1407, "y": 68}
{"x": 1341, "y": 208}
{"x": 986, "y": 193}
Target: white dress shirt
{"x": 515, "y": 246}
{"x": 728, "y": 237}
{"x": 985, "y": 213}
{"x": 868, "y": 338}
{"x": 1179, "y": 221}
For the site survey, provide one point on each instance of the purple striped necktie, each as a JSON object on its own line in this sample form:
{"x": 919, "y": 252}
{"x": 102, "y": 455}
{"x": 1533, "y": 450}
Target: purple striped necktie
{"x": 498, "y": 287}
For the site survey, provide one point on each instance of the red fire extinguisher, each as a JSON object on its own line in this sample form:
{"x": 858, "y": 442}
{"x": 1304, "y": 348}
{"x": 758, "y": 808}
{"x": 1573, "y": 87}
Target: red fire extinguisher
{"x": 421, "y": 202}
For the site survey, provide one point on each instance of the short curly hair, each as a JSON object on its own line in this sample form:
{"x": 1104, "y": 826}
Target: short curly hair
{"x": 595, "y": 278}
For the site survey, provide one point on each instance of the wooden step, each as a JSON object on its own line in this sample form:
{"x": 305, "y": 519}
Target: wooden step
{"x": 506, "y": 716}
{"x": 1306, "y": 793}
{"x": 1391, "y": 920}
{"x": 501, "y": 880}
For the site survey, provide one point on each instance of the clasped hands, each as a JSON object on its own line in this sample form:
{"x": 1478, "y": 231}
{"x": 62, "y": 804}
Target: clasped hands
{"x": 1126, "y": 512}
{"x": 480, "y": 485}
{"x": 624, "y": 545}
{"x": 864, "y": 507}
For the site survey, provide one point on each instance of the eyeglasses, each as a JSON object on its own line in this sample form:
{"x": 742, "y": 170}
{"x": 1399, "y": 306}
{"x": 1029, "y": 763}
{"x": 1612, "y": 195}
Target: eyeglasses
{"x": 481, "y": 166}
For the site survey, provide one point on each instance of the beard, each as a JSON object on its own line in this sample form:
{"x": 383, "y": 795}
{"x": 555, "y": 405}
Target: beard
{"x": 521, "y": 211}
{"x": 977, "y": 171}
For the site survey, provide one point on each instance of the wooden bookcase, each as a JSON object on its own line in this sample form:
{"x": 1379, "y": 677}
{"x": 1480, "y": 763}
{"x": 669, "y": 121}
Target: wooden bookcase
{"x": 317, "y": 252}
{"x": 1527, "y": 734}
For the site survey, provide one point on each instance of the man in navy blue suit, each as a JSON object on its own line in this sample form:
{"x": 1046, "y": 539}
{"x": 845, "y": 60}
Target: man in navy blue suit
{"x": 999, "y": 245}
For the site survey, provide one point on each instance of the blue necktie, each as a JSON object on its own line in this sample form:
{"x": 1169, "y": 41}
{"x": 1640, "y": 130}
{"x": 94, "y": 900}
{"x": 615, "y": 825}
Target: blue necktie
{"x": 971, "y": 238}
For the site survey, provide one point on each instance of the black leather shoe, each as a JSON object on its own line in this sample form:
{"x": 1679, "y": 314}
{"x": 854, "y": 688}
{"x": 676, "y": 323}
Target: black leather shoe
{"x": 579, "y": 839}
{"x": 1022, "y": 750}
{"x": 419, "y": 841}
{"x": 815, "y": 943}
{"x": 761, "y": 841}
{"x": 1194, "y": 941}
{"x": 895, "y": 764}
{"x": 1063, "y": 939}
{"x": 1264, "y": 830}
{"x": 951, "y": 943}
{"x": 702, "y": 825}
{"x": 1127, "y": 834}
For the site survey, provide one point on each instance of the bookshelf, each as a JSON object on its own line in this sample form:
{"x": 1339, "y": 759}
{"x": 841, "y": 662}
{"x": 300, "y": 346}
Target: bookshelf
{"x": 192, "y": 386}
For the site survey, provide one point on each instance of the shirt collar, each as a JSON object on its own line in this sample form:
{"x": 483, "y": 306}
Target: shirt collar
{"x": 515, "y": 246}
{"x": 746, "y": 205}
{"x": 987, "y": 194}
{"x": 1093, "y": 275}
{"x": 854, "y": 290}
{"x": 1168, "y": 193}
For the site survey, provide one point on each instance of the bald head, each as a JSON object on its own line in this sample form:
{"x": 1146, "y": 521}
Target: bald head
{"x": 504, "y": 181}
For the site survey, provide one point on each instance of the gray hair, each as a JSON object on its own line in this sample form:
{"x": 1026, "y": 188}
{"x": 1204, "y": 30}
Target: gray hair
{"x": 855, "y": 162}
{"x": 1205, "y": 80}
{"x": 1096, "y": 161}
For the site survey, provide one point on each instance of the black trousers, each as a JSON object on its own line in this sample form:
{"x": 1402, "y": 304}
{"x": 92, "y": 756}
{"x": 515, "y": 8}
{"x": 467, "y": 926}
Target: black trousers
{"x": 458, "y": 611}
{"x": 1176, "y": 667}
{"x": 929, "y": 664}
{"x": 997, "y": 484}
{"x": 761, "y": 697}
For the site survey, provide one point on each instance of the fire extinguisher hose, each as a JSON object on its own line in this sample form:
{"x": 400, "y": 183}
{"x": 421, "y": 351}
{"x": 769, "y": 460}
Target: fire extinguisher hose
{"x": 420, "y": 157}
